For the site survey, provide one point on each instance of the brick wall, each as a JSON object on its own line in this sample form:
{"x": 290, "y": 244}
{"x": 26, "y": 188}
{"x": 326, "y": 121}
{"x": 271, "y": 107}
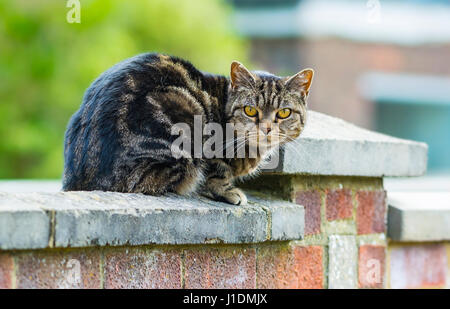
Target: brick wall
{"x": 271, "y": 265}
{"x": 213, "y": 266}
{"x": 344, "y": 247}
{"x": 345, "y": 220}
{"x": 419, "y": 265}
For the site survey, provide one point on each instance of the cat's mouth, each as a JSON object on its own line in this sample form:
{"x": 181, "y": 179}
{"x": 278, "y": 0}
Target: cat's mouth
{"x": 267, "y": 141}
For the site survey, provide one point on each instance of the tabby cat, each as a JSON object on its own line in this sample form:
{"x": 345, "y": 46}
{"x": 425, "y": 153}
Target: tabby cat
{"x": 120, "y": 139}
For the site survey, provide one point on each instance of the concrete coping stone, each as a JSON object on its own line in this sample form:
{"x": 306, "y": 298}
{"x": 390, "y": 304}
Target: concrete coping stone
{"x": 84, "y": 219}
{"x": 419, "y": 216}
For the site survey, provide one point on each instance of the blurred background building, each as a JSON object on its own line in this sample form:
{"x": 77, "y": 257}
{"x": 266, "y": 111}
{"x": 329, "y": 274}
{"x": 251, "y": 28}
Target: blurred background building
{"x": 384, "y": 65}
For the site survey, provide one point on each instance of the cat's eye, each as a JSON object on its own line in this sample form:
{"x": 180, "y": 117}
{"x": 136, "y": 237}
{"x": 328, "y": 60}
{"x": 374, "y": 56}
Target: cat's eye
{"x": 284, "y": 113}
{"x": 250, "y": 111}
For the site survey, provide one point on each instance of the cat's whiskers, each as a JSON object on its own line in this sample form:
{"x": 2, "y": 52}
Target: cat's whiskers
{"x": 227, "y": 143}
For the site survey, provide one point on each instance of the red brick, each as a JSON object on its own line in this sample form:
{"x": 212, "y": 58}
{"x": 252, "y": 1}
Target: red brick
{"x": 295, "y": 267}
{"x": 371, "y": 212}
{"x": 311, "y": 201}
{"x": 339, "y": 204}
{"x": 309, "y": 267}
{"x": 6, "y": 271}
{"x": 371, "y": 266}
{"x": 140, "y": 268}
{"x": 220, "y": 268}
{"x": 418, "y": 266}
{"x": 58, "y": 269}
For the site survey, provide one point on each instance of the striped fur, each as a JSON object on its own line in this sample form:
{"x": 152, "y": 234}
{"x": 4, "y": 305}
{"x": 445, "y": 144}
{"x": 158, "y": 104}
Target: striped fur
{"x": 120, "y": 138}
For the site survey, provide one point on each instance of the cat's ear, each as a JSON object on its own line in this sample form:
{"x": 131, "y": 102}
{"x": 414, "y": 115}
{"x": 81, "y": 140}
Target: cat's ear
{"x": 300, "y": 82}
{"x": 240, "y": 76}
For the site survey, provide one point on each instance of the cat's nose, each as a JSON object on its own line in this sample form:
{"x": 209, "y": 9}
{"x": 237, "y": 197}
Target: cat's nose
{"x": 266, "y": 129}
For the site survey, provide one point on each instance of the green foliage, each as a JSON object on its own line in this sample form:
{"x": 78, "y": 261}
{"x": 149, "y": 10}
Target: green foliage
{"x": 46, "y": 63}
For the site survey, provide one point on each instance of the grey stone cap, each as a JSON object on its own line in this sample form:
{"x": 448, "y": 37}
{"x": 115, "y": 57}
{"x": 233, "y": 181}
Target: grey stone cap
{"x": 82, "y": 219}
{"x": 419, "y": 216}
{"x": 331, "y": 146}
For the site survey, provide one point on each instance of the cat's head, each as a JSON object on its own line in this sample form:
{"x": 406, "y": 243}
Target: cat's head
{"x": 274, "y": 106}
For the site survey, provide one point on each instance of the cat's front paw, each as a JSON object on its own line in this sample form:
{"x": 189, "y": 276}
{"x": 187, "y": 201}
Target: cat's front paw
{"x": 235, "y": 196}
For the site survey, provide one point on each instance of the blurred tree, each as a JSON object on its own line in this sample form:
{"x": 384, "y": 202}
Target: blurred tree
{"x": 47, "y": 63}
